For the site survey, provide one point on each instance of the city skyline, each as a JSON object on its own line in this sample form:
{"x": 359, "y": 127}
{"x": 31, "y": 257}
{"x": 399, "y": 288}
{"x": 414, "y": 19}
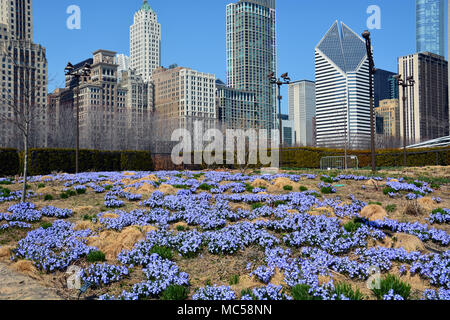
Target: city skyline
{"x": 296, "y": 57}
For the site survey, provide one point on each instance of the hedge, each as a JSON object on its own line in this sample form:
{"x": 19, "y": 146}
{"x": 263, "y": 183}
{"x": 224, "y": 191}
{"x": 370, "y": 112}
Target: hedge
{"x": 310, "y": 157}
{"x": 9, "y": 162}
{"x": 46, "y": 161}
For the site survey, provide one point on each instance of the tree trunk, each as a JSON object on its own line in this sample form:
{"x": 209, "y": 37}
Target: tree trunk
{"x": 25, "y": 164}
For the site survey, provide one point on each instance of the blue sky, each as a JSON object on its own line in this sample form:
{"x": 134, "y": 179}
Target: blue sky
{"x": 193, "y": 32}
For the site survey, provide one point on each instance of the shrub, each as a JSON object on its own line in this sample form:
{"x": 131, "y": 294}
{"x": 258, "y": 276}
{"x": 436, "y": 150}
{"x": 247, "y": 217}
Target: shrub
{"x": 234, "y": 279}
{"x": 5, "y": 182}
{"x": 205, "y": 187}
{"x": 391, "y": 282}
{"x": 375, "y": 202}
{"x": 248, "y": 188}
{"x": 327, "y": 190}
{"x": 107, "y": 187}
{"x": 288, "y": 188}
{"x": 136, "y": 160}
{"x": 163, "y": 252}
{"x": 41, "y": 185}
{"x": 301, "y": 292}
{"x": 5, "y": 192}
{"x": 278, "y": 203}
{"x": 413, "y": 208}
{"x": 9, "y": 162}
{"x": 327, "y": 179}
{"x": 347, "y": 290}
{"x": 181, "y": 228}
{"x": 303, "y": 189}
{"x": 96, "y": 256}
{"x": 352, "y": 226}
{"x": 64, "y": 195}
{"x": 175, "y": 292}
{"x": 388, "y": 190}
{"x": 81, "y": 191}
{"x": 391, "y": 208}
{"x": 257, "y": 205}
{"x": 48, "y": 197}
{"x": 46, "y": 225}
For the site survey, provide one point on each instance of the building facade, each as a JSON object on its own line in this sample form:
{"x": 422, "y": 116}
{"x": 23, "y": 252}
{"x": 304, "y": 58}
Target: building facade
{"x": 302, "y": 110}
{"x": 181, "y": 97}
{"x": 145, "y": 42}
{"x": 342, "y": 89}
{"x": 427, "y": 109}
{"x": 23, "y": 76}
{"x": 236, "y": 109}
{"x": 389, "y": 110}
{"x": 384, "y": 85}
{"x": 123, "y": 63}
{"x": 251, "y": 54}
{"x": 430, "y": 26}
{"x": 288, "y": 131}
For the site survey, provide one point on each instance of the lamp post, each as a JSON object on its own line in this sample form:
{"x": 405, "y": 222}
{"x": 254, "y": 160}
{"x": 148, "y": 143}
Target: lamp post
{"x": 404, "y": 83}
{"x": 286, "y": 80}
{"x": 77, "y": 74}
{"x": 372, "y": 71}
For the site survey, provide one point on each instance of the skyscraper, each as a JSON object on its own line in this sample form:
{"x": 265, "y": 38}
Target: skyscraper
{"x": 251, "y": 54}
{"x": 145, "y": 42}
{"x": 382, "y": 83}
{"x": 427, "y": 110}
{"x": 302, "y": 110}
{"x": 430, "y": 26}
{"x": 342, "y": 89}
{"x": 23, "y": 75}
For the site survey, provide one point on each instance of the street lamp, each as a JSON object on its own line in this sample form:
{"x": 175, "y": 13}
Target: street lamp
{"x": 83, "y": 72}
{"x": 404, "y": 83}
{"x": 286, "y": 80}
{"x": 372, "y": 71}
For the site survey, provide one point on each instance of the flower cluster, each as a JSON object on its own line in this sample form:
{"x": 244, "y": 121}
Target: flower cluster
{"x": 215, "y": 293}
{"x": 441, "y": 294}
{"x": 392, "y": 296}
{"x": 440, "y": 216}
{"x": 269, "y": 292}
{"x": 56, "y": 212}
{"x": 54, "y": 248}
{"x": 103, "y": 274}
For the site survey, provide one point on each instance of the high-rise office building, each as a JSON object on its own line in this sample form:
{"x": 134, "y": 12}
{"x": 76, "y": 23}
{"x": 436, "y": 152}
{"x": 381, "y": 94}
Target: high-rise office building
{"x": 251, "y": 54}
{"x": 236, "y": 109}
{"x": 430, "y": 26}
{"x": 302, "y": 110}
{"x": 427, "y": 109}
{"x": 389, "y": 110}
{"x": 123, "y": 63}
{"x": 288, "y": 130}
{"x": 383, "y": 82}
{"x": 23, "y": 75}
{"x": 342, "y": 89}
{"x": 145, "y": 42}
{"x": 183, "y": 96}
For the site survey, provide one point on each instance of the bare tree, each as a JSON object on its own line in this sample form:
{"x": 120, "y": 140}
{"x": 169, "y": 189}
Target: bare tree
{"x": 27, "y": 110}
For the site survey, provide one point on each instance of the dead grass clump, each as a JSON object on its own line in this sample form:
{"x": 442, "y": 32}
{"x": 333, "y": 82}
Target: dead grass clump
{"x": 168, "y": 189}
{"x": 413, "y": 208}
{"x": 281, "y": 182}
{"x": 427, "y": 203}
{"x": 372, "y": 183}
{"x": 48, "y": 190}
{"x": 147, "y": 229}
{"x": 26, "y": 267}
{"x": 236, "y": 206}
{"x": 409, "y": 242}
{"x": 151, "y": 177}
{"x": 83, "y": 225}
{"x": 278, "y": 278}
{"x": 5, "y": 252}
{"x": 112, "y": 243}
{"x": 46, "y": 178}
{"x": 83, "y": 209}
{"x": 245, "y": 283}
{"x": 128, "y": 174}
{"x": 374, "y": 212}
{"x": 146, "y": 189}
{"x": 260, "y": 183}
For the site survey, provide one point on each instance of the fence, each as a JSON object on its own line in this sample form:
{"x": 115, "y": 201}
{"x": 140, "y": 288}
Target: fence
{"x": 339, "y": 163}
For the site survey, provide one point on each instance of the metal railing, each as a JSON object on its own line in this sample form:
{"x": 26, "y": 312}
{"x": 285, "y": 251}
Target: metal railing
{"x": 328, "y": 163}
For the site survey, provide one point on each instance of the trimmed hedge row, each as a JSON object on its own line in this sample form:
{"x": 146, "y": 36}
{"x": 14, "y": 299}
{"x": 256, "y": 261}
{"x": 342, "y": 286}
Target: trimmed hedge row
{"x": 310, "y": 157}
{"x": 9, "y": 162}
{"x": 46, "y": 161}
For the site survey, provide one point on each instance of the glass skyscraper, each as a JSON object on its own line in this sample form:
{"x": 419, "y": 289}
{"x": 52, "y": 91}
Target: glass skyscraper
{"x": 430, "y": 26}
{"x": 251, "y": 54}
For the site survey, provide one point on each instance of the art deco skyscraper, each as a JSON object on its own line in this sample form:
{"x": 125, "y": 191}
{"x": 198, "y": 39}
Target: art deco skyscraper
{"x": 23, "y": 75}
{"x": 342, "y": 89}
{"x": 145, "y": 42}
{"x": 430, "y": 25}
{"x": 252, "y": 56}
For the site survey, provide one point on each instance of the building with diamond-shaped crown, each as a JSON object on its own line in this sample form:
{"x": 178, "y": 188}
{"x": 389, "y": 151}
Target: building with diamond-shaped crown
{"x": 342, "y": 89}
